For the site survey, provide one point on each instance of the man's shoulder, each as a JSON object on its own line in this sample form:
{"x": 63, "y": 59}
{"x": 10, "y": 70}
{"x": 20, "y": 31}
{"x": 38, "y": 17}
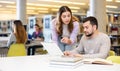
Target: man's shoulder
{"x": 103, "y": 34}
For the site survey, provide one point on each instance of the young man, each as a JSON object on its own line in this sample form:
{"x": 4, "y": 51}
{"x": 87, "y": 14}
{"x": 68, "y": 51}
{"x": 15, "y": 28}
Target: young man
{"x": 93, "y": 44}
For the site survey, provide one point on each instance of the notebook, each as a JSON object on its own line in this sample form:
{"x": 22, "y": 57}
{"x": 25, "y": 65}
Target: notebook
{"x": 52, "y": 48}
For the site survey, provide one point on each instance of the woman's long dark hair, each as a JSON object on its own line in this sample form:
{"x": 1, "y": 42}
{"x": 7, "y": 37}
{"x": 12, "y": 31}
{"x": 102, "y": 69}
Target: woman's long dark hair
{"x": 21, "y": 35}
{"x": 59, "y": 24}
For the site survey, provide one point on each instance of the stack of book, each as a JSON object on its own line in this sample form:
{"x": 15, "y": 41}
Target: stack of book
{"x": 66, "y": 62}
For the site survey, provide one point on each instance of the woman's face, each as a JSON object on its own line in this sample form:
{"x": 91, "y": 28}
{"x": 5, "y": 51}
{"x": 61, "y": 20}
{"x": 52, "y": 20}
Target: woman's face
{"x": 66, "y": 17}
{"x": 36, "y": 28}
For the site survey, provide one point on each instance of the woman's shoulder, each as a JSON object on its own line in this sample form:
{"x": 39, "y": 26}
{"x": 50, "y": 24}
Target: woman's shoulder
{"x": 54, "y": 20}
{"x": 76, "y": 23}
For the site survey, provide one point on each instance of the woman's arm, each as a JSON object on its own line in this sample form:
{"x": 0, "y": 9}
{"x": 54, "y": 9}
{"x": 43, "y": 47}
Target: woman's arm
{"x": 11, "y": 40}
{"x": 54, "y": 32}
{"x": 73, "y": 36}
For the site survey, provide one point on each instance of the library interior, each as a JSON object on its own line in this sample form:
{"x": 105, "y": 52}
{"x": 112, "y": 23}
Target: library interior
{"x": 42, "y": 36}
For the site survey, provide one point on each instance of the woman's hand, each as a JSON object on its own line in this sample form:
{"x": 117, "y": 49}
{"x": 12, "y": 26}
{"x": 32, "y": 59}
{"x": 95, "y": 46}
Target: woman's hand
{"x": 68, "y": 53}
{"x": 66, "y": 40}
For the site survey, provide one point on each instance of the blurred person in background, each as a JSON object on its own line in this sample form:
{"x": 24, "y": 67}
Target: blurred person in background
{"x": 37, "y": 36}
{"x": 38, "y": 33}
{"x": 18, "y": 35}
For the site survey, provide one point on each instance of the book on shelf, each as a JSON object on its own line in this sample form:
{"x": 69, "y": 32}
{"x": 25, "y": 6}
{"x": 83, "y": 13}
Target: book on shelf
{"x": 97, "y": 61}
{"x": 66, "y": 62}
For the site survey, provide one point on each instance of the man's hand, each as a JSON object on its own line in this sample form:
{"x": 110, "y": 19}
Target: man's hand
{"x": 77, "y": 55}
{"x": 68, "y": 53}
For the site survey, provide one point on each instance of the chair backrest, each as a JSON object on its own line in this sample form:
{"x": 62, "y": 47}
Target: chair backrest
{"x": 17, "y": 50}
{"x": 111, "y": 53}
{"x": 114, "y": 59}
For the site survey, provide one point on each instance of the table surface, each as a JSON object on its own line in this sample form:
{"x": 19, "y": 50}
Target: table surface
{"x": 41, "y": 62}
{"x": 33, "y": 43}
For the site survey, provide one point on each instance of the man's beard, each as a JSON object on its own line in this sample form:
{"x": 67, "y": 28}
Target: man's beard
{"x": 89, "y": 34}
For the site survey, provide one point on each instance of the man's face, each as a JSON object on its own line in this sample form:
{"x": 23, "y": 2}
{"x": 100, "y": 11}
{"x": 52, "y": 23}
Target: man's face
{"x": 88, "y": 29}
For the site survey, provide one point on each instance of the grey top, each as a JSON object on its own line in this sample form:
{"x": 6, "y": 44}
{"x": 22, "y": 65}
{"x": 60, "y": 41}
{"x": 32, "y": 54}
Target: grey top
{"x": 97, "y": 47}
{"x": 12, "y": 39}
{"x": 65, "y": 31}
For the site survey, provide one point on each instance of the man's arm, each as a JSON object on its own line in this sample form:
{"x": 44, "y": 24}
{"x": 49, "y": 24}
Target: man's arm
{"x": 104, "y": 49}
{"x": 76, "y": 51}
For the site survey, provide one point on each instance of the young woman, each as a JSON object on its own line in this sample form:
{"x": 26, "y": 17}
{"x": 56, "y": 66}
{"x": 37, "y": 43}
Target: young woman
{"x": 64, "y": 29}
{"x": 19, "y": 34}
{"x": 37, "y": 35}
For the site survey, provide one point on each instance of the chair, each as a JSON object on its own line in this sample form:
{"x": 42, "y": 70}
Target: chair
{"x": 111, "y": 53}
{"x": 17, "y": 50}
{"x": 114, "y": 59}
{"x": 3, "y": 51}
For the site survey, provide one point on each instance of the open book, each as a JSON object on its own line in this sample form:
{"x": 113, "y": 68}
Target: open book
{"x": 97, "y": 61}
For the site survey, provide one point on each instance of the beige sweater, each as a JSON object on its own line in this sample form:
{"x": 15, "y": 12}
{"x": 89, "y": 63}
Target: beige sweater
{"x": 97, "y": 47}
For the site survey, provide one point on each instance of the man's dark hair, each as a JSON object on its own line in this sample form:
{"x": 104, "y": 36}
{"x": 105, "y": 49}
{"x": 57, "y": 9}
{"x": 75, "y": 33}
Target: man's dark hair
{"x": 93, "y": 21}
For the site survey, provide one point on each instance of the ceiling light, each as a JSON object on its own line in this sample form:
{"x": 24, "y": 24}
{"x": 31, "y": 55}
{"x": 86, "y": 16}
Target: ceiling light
{"x": 0, "y": 5}
{"x": 32, "y": 13}
{"x": 10, "y": 2}
{"x": 2, "y": 8}
{"x": 109, "y": 6}
{"x": 28, "y": 11}
{"x": 68, "y": 2}
{"x": 36, "y": 8}
{"x": 43, "y": 11}
{"x": 9, "y": 6}
{"x": 74, "y": 7}
{"x": 55, "y": 6}
{"x": 65, "y": 2}
{"x": 31, "y": 8}
{"x": 74, "y": 10}
{"x": 5, "y": 11}
{"x": 34, "y": 4}
{"x": 109, "y": 0}
{"x": 117, "y": 1}
{"x": 36, "y": 12}
{"x": 42, "y": 8}
{"x": 58, "y": 9}
{"x": 54, "y": 9}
